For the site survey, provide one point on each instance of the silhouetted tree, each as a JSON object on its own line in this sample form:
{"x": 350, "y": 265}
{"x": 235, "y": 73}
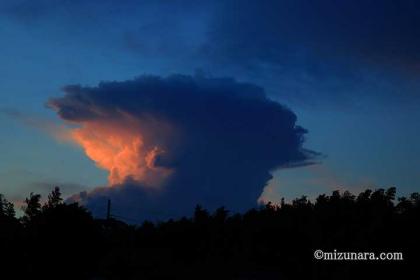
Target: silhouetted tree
{"x": 9, "y": 210}
{"x": 390, "y": 193}
{"x": 221, "y": 214}
{"x": 269, "y": 242}
{"x": 200, "y": 215}
{"x": 415, "y": 199}
{"x": 32, "y": 208}
{"x": 2, "y": 199}
{"x": 54, "y": 199}
{"x": 6, "y": 207}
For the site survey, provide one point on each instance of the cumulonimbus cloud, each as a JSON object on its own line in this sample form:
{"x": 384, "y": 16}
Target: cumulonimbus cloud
{"x": 170, "y": 143}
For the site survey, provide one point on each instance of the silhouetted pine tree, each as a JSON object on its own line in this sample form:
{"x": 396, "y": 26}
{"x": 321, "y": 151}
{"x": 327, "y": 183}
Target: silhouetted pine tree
{"x": 54, "y": 199}
{"x": 32, "y": 208}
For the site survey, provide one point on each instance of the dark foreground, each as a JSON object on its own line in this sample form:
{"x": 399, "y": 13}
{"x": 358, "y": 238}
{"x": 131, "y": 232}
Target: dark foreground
{"x": 59, "y": 241}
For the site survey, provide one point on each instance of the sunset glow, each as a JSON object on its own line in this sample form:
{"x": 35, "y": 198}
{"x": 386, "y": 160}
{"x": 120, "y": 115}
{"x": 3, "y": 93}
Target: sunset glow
{"x": 122, "y": 152}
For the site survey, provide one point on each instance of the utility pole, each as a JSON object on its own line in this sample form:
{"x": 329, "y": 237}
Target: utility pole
{"x": 108, "y": 210}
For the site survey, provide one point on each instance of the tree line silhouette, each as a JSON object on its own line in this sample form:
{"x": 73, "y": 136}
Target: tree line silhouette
{"x": 56, "y": 240}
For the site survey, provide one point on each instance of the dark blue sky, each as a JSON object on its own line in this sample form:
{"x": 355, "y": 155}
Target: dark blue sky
{"x": 347, "y": 69}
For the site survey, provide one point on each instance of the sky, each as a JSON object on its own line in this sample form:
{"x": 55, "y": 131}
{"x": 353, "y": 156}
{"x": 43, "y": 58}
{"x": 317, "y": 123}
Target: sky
{"x": 277, "y": 98}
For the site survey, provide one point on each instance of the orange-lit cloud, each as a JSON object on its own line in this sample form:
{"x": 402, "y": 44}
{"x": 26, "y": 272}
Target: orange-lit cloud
{"x": 119, "y": 147}
{"x": 197, "y": 140}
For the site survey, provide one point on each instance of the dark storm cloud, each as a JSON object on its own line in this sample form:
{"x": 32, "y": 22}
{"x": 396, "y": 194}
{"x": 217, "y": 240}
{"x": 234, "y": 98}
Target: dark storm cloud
{"x": 279, "y": 31}
{"x": 311, "y": 52}
{"x": 224, "y": 140}
{"x": 271, "y": 31}
{"x": 308, "y": 35}
{"x": 324, "y": 52}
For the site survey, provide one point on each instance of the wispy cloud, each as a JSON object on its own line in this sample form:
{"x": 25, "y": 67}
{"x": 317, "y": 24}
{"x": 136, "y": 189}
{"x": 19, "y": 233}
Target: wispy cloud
{"x": 59, "y": 131}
